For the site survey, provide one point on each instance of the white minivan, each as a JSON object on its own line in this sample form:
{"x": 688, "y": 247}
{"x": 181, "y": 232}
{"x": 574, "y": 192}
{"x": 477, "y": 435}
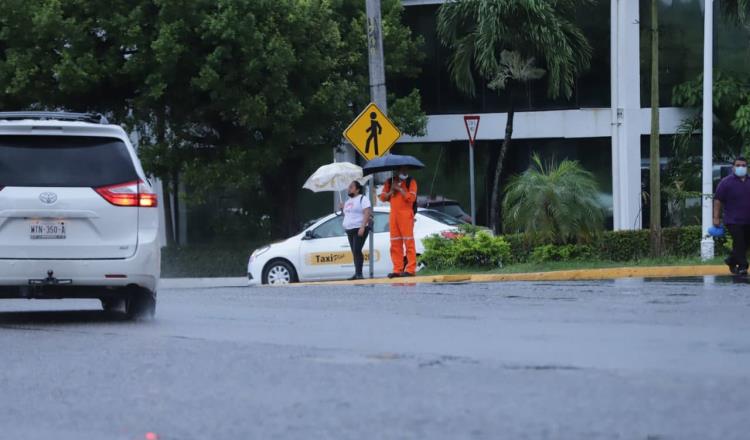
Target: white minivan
{"x": 78, "y": 217}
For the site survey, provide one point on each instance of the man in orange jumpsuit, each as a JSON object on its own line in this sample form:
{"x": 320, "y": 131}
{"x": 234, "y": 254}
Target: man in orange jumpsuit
{"x": 401, "y": 192}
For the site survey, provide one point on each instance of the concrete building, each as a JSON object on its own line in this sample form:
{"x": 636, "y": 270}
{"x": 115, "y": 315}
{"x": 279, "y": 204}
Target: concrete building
{"x": 605, "y": 124}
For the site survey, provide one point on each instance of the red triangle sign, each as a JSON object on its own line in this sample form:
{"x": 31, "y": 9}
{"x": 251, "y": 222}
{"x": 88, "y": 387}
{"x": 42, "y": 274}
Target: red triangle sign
{"x": 472, "y": 127}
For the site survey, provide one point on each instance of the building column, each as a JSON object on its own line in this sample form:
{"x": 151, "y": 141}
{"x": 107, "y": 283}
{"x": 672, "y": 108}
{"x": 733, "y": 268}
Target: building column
{"x": 626, "y": 114}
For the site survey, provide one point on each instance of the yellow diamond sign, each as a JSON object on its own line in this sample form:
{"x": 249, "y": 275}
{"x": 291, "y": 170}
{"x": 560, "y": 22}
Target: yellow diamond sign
{"x": 372, "y": 133}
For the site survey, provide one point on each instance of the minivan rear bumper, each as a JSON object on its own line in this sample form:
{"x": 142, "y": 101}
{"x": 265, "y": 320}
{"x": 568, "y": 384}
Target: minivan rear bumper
{"x": 80, "y": 278}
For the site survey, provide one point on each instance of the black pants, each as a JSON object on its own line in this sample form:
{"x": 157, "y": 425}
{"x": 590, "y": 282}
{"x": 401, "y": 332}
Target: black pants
{"x": 740, "y": 240}
{"x": 356, "y": 243}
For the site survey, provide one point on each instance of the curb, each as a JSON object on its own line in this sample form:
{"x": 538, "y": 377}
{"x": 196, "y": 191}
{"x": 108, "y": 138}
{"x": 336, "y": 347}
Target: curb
{"x": 561, "y": 275}
{"x": 201, "y": 283}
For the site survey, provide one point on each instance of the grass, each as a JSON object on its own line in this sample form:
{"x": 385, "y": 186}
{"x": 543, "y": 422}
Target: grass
{"x": 574, "y": 265}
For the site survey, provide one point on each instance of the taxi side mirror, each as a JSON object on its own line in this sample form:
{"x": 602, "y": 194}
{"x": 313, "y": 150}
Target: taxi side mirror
{"x": 309, "y": 235}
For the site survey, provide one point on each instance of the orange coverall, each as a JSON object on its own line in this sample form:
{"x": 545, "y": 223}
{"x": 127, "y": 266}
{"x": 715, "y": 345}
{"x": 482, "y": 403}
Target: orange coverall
{"x": 402, "y": 225}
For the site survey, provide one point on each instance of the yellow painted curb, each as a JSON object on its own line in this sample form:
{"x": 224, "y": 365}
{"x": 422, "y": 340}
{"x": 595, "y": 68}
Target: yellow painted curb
{"x": 560, "y": 275}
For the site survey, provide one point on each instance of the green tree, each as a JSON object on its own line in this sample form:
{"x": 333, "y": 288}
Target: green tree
{"x": 553, "y": 202}
{"x": 233, "y": 97}
{"x": 478, "y": 31}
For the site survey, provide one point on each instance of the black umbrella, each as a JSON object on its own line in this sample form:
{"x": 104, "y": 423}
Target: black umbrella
{"x": 391, "y": 162}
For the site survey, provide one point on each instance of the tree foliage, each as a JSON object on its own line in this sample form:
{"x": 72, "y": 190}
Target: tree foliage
{"x": 731, "y": 102}
{"x": 477, "y": 32}
{"x": 553, "y": 202}
{"x": 738, "y": 10}
{"x": 230, "y": 95}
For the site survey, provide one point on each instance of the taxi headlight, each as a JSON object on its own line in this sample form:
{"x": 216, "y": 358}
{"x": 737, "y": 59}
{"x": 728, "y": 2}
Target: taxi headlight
{"x": 258, "y": 252}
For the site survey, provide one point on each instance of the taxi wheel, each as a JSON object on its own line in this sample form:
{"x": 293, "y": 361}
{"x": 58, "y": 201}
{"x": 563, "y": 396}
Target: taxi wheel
{"x": 279, "y": 272}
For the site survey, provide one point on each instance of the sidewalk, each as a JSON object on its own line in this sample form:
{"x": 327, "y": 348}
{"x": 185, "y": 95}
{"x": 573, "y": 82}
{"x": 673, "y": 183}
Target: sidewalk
{"x": 561, "y": 275}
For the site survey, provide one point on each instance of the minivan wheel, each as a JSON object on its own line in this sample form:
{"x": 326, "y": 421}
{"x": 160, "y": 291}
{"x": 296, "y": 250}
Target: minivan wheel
{"x": 279, "y": 272}
{"x": 140, "y": 304}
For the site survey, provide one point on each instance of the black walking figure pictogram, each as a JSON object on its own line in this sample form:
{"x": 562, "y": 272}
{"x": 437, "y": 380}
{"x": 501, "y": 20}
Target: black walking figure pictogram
{"x": 375, "y": 130}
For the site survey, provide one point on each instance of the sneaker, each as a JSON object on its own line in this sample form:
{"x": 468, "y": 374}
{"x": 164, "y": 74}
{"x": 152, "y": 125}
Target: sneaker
{"x": 407, "y": 274}
{"x": 353, "y": 277}
{"x": 394, "y": 275}
{"x": 742, "y": 271}
{"x": 732, "y": 266}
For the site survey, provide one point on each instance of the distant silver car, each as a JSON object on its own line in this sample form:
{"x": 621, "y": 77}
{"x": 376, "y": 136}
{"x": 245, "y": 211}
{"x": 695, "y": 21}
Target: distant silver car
{"x": 447, "y": 206}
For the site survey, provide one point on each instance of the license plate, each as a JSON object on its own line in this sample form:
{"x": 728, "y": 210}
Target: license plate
{"x": 47, "y": 230}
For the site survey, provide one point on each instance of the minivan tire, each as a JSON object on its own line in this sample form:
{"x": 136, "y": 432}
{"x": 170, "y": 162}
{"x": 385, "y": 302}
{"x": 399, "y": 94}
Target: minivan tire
{"x": 140, "y": 304}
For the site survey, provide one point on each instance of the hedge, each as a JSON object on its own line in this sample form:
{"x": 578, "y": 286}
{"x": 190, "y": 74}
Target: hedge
{"x": 619, "y": 246}
{"x": 467, "y": 248}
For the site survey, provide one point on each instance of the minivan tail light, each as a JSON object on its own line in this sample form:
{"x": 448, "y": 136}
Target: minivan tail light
{"x": 135, "y": 193}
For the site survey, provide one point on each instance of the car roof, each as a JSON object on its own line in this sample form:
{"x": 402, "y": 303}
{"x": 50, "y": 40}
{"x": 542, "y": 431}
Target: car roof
{"x": 53, "y": 127}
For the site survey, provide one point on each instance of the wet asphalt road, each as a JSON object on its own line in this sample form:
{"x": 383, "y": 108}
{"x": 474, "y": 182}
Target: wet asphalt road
{"x": 598, "y": 360}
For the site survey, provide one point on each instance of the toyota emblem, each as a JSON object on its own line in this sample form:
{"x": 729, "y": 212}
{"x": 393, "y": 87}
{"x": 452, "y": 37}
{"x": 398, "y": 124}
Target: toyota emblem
{"x": 48, "y": 197}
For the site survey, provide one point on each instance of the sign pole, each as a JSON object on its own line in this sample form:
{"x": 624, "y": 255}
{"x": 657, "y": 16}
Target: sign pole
{"x": 377, "y": 87}
{"x": 707, "y": 243}
{"x": 471, "y": 185}
{"x": 472, "y": 127}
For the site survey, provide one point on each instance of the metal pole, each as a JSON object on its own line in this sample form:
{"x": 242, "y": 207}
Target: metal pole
{"x": 377, "y": 86}
{"x": 471, "y": 185}
{"x": 707, "y": 243}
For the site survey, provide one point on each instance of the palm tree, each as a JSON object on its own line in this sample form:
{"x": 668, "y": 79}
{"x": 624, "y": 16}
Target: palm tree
{"x": 556, "y": 202}
{"x": 478, "y": 32}
{"x": 737, "y": 9}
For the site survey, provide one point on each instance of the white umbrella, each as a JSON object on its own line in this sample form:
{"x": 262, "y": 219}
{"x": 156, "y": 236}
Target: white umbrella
{"x": 335, "y": 177}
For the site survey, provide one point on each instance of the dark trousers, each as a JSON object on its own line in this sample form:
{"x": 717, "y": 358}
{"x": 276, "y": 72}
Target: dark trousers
{"x": 356, "y": 243}
{"x": 740, "y": 240}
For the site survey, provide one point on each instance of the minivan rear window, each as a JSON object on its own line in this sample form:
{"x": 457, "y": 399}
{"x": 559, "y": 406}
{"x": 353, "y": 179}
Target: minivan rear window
{"x": 64, "y": 161}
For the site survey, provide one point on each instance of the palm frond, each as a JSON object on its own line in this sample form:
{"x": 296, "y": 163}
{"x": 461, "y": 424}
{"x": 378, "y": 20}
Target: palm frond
{"x": 553, "y": 200}
{"x": 479, "y": 32}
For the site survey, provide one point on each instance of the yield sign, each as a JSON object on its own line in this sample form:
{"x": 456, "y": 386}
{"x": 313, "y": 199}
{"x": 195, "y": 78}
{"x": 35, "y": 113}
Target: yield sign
{"x": 372, "y": 133}
{"x": 472, "y": 127}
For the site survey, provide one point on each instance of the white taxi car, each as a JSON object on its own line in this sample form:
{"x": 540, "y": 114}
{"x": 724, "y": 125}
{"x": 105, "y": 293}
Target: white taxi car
{"x": 321, "y": 251}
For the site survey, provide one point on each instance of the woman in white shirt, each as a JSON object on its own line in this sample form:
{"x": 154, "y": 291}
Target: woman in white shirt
{"x": 357, "y": 214}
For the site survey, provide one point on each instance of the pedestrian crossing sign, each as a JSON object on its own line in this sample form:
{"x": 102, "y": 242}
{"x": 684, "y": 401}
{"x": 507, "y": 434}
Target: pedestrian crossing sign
{"x": 372, "y": 133}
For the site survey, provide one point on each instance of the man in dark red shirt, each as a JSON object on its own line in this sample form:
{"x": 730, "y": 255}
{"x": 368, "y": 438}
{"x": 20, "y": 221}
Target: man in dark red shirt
{"x": 733, "y": 197}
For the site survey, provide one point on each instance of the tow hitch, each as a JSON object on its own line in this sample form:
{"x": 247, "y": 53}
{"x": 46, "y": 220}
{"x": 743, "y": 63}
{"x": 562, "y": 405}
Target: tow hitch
{"x": 50, "y": 280}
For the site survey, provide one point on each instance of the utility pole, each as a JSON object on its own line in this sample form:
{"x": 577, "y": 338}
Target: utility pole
{"x": 707, "y": 178}
{"x": 377, "y": 87}
{"x": 655, "y": 156}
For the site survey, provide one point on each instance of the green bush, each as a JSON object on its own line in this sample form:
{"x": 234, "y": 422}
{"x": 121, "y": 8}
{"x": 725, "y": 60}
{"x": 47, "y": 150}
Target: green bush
{"x": 566, "y": 252}
{"x": 682, "y": 242}
{"x": 520, "y": 247}
{"x": 623, "y": 245}
{"x": 474, "y": 249}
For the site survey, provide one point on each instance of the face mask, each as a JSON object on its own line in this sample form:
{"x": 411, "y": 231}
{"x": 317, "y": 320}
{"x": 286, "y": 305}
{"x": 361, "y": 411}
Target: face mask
{"x": 740, "y": 171}
{"x": 403, "y": 176}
